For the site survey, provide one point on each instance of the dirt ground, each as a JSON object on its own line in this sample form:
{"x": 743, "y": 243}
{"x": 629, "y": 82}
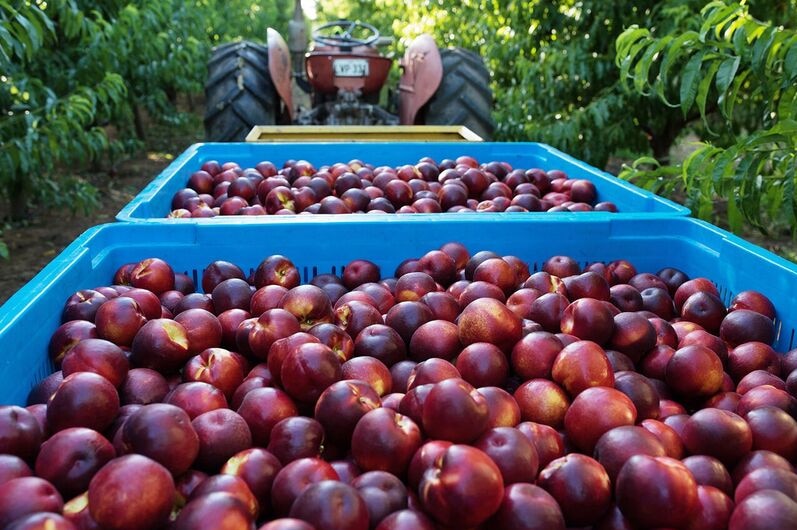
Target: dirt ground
{"x": 34, "y": 243}
{"x": 44, "y": 234}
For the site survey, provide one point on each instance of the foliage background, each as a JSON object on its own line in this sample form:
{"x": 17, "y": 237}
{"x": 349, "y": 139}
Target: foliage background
{"x": 76, "y": 76}
{"x": 604, "y": 81}
{"x": 725, "y": 99}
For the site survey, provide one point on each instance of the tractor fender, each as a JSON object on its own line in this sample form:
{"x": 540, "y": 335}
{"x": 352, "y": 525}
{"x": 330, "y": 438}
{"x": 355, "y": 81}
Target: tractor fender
{"x": 279, "y": 67}
{"x": 422, "y": 72}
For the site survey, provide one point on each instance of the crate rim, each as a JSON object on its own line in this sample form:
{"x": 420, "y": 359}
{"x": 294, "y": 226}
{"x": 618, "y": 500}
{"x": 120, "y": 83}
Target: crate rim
{"x": 50, "y": 272}
{"x": 733, "y": 263}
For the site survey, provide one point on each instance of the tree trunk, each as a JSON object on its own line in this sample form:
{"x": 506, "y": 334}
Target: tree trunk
{"x": 171, "y": 95}
{"x": 18, "y": 196}
{"x": 138, "y": 119}
{"x": 660, "y": 144}
{"x": 661, "y": 140}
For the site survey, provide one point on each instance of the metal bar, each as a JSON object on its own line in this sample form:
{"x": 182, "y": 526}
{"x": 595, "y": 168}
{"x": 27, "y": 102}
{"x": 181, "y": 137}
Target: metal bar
{"x": 362, "y": 133}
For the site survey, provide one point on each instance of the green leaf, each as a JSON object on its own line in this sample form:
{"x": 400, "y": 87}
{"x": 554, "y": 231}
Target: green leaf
{"x": 762, "y": 138}
{"x": 747, "y": 192}
{"x": 671, "y": 56}
{"x": 724, "y": 166}
{"x": 690, "y": 80}
{"x": 23, "y": 45}
{"x": 44, "y": 20}
{"x": 751, "y": 204}
{"x": 747, "y": 165}
{"x": 727, "y": 102}
{"x": 789, "y": 184}
{"x": 778, "y": 49}
{"x": 702, "y": 92}
{"x": 790, "y": 61}
{"x": 645, "y": 160}
{"x": 761, "y": 48}
{"x": 693, "y": 165}
{"x": 3, "y": 250}
{"x": 785, "y": 127}
{"x": 6, "y": 46}
{"x": 34, "y": 35}
{"x": 787, "y": 105}
{"x": 726, "y": 73}
{"x": 716, "y": 20}
{"x": 642, "y": 68}
{"x": 714, "y": 4}
{"x": 756, "y": 29}
{"x": 36, "y": 27}
{"x": 673, "y": 52}
{"x": 725, "y": 76}
{"x": 740, "y": 40}
{"x": 628, "y": 60}
{"x": 730, "y": 32}
{"x": 773, "y": 199}
{"x": 735, "y": 217}
{"x": 705, "y": 209}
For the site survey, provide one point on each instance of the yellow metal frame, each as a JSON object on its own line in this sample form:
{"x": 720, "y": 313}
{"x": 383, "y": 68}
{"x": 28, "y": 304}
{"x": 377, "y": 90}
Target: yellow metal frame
{"x": 362, "y": 133}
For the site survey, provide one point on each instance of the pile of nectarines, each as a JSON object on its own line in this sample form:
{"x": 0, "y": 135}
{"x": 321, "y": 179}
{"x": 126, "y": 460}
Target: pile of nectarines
{"x": 464, "y": 391}
{"x": 459, "y": 185}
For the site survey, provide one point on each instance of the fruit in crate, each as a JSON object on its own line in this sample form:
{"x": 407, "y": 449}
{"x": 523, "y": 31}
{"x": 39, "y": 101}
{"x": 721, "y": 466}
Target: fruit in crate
{"x": 465, "y": 391}
{"x": 341, "y": 188}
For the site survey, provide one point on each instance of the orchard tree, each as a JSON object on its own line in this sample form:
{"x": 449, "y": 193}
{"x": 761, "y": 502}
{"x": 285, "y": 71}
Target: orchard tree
{"x": 553, "y": 69}
{"x": 72, "y": 69}
{"x": 734, "y": 77}
{"x": 629, "y": 78}
{"x": 243, "y": 19}
{"x": 50, "y": 111}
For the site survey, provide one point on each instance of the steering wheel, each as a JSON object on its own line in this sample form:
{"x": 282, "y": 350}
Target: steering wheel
{"x": 343, "y": 34}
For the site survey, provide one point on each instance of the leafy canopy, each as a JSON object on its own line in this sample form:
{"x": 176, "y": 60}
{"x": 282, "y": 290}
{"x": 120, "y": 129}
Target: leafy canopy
{"x": 738, "y": 74}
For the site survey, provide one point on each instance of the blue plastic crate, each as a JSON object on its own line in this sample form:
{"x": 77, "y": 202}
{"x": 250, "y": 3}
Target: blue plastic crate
{"x": 28, "y": 319}
{"x": 154, "y": 201}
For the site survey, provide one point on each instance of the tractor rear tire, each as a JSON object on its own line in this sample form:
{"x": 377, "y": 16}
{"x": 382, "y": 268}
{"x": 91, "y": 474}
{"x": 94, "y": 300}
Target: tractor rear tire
{"x": 464, "y": 96}
{"x": 239, "y": 93}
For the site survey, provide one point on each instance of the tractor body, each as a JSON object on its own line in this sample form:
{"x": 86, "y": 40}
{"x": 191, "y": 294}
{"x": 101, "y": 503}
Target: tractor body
{"x": 340, "y": 81}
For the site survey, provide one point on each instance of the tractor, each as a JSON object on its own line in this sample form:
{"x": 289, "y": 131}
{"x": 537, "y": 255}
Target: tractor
{"x": 340, "y": 81}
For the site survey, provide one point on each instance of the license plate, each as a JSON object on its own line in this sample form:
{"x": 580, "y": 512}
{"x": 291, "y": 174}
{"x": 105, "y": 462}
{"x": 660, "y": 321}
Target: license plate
{"x": 350, "y": 67}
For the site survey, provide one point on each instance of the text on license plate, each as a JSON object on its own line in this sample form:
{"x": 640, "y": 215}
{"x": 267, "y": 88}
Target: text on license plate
{"x": 350, "y": 67}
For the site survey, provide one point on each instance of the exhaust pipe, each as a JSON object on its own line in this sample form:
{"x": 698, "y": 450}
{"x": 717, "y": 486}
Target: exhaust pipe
{"x": 297, "y": 39}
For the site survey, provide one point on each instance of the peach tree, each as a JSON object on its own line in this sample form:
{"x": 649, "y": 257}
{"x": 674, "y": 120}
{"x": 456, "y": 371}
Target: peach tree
{"x": 735, "y": 77}
{"x": 70, "y": 70}
{"x": 553, "y": 65}
{"x": 76, "y": 77}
